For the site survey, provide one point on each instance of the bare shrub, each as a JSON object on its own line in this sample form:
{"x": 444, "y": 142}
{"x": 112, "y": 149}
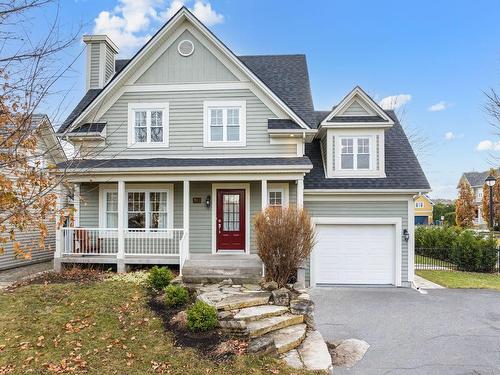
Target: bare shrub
{"x": 285, "y": 238}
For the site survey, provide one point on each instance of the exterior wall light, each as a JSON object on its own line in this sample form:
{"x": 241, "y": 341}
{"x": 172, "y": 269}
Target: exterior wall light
{"x": 207, "y": 201}
{"x": 406, "y": 235}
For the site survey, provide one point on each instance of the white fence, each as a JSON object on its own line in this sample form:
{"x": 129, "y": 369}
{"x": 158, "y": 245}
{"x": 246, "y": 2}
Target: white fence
{"x": 104, "y": 241}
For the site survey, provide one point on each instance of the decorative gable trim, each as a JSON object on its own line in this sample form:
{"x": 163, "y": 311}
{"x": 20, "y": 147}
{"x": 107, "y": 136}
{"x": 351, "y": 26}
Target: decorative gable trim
{"x": 376, "y": 116}
{"x": 149, "y": 49}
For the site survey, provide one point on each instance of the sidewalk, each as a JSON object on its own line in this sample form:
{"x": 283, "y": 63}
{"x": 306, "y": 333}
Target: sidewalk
{"x": 422, "y": 283}
{"x": 10, "y": 276}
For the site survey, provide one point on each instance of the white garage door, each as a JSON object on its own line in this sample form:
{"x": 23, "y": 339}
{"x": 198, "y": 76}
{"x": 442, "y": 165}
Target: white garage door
{"x": 354, "y": 254}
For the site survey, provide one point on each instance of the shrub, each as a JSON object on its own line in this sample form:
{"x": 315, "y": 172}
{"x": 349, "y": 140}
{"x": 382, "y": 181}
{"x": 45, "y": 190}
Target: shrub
{"x": 285, "y": 238}
{"x": 159, "y": 278}
{"x": 489, "y": 254}
{"x": 201, "y": 317}
{"x": 176, "y": 295}
{"x": 466, "y": 252}
{"x": 436, "y": 242}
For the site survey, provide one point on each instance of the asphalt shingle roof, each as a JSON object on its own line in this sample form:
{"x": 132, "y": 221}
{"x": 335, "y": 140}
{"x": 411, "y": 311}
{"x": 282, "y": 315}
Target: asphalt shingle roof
{"x": 275, "y": 123}
{"x": 477, "y": 178}
{"x": 169, "y": 162}
{"x": 402, "y": 168}
{"x": 347, "y": 119}
{"x": 90, "y": 127}
{"x": 80, "y": 107}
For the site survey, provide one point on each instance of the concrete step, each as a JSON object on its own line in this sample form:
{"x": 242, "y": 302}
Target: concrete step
{"x": 250, "y": 314}
{"x": 202, "y": 278}
{"x": 240, "y": 301}
{"x": 262, "y": 326}
{"x": 288, "y": 338}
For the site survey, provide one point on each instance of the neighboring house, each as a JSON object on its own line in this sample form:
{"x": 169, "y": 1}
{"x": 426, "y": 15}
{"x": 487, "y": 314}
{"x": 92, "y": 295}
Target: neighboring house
{"x": 49, "y": 153}
{"x": 184, "y": 143}
{"x": 476, "y": 182}
{"x": 423, "y": 210}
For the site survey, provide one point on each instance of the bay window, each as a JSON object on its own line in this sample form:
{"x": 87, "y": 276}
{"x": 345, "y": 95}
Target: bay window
{"x": 224, "y": 124}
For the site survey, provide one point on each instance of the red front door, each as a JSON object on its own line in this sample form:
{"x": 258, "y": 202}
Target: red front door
{"x": 230, "y": 225}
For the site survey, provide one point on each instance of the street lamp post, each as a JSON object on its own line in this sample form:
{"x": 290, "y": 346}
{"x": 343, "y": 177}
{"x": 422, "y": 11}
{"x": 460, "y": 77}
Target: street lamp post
{"x": 490, "y": 181}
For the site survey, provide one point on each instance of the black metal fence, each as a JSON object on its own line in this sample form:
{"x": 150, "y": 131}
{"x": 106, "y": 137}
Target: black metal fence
{"x": 432, "y": 259}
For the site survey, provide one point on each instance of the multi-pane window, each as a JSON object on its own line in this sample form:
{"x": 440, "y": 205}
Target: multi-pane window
{"x": 225, "y": 124}
{"x": 355, "y": 153}
{"x": 136, "y": 210}
{"x": 158, "y": 210}
{"x": 419, "y": 204}
{"x": 231, "y": 210}
{"x": 148, "y": 124}
{"x": 111, "y": 210}
{"x": 276, "y": 198}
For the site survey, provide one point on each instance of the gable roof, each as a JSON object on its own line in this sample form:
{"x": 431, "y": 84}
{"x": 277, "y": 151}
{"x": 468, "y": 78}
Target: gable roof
{"x": 401, "y": 172}
{"x": 377, "y": 115}
{"x": 181, "y": 15}
{"x": 476, "y": 179}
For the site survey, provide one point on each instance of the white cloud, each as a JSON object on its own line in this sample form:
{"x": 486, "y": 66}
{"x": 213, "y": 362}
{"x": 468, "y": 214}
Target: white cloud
{"x": 487, "y": 145}
{"x": 449, "y": 136}
{"x": 394, "y": 101}
{"x": 439, "y": 106}
{"x": 129, "y": 24}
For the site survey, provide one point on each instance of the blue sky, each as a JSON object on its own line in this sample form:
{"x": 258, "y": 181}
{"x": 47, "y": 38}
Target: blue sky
{"x": 437, "y": 57}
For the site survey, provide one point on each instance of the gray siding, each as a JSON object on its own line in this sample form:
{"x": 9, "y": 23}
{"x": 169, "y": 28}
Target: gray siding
{"x": 110, "y": 64}
{"x": 355, "y": 109}
{"x": 200, "y": 223}
{"x": 365, "y": 209}
{"x": 186, "y": 126}
{"x": 89, "y": 205}
{"x": 201, "y": 66}
{"x": 95, "y": 53}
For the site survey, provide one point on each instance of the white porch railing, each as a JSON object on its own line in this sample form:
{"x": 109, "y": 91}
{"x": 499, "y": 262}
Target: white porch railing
{"x": 136, "y": 242}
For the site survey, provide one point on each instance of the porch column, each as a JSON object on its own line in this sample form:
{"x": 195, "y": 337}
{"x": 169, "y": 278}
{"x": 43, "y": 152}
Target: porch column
{"x": 59, "y": 232}
{"x": 264, "y": 195}
{"x": 300, "y": 193}
{"x": 76, "y": 204}
{"x": 184, "y": 251}
{"x": 120, "y": 256}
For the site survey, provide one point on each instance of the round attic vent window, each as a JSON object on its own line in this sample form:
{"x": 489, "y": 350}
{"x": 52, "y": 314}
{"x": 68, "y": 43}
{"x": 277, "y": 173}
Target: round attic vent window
{"x": 185, "y": 47}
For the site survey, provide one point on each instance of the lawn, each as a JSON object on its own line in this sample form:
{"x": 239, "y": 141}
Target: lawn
{"x": 457, "y": 279}
{"x": 101, "y": 327}
{"x": 420, "y": 259}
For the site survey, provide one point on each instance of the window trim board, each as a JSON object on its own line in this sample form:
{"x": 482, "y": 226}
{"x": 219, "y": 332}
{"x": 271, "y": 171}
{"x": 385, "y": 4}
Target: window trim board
{"x": 209, "y": 104}
{"x": 132, "y": 108}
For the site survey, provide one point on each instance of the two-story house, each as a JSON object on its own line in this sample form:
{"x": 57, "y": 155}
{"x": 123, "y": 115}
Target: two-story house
{"x": 476, "y": 182}
{"x": 181, "y": 145}
{"x": 423, "y": 210}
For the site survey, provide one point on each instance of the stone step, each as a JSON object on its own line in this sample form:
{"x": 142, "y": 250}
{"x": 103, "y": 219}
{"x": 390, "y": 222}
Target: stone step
{"x": 240, "y": 301}
{"x": 260, "y": 327}
{"x": 202, "y": 278}
{"x": 314, "y": 353}
{"x": 249, "y": 314}
{"x": 288, "y": 338}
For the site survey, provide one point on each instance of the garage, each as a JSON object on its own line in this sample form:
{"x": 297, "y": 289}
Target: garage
{"x": 356, "y": 252}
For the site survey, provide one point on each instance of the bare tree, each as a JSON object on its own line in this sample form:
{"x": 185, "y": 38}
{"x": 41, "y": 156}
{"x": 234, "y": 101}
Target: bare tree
{"x": 493, "y": 110}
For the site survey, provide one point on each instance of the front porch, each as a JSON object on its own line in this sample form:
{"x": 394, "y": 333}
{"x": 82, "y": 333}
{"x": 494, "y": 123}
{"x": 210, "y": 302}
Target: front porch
{"x": 167, "y": 221}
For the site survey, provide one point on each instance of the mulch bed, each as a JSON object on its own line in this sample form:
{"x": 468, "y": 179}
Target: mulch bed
{"x": 214, "y": 344}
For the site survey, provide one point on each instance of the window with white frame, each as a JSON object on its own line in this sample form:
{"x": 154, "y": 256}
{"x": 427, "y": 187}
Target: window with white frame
{"x": 146, "y": 209}
{"x": 224, "y": 124}
{"x": 419, "y": 204}
{"x": 277, "y": 195}
{"x": 148, "y": 124}
{"x": 355, "y": 153}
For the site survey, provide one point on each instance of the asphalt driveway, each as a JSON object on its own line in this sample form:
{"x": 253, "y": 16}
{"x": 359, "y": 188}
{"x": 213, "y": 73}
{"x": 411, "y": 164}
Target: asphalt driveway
{"x": 446, "y": 331}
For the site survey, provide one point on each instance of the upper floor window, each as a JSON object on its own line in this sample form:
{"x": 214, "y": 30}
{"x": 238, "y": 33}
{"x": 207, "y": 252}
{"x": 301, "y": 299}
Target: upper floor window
{"x": 419, "y": 204}
{"x": 355, "y": 153}
{"x": 224, "y": 124}
{"x": 148, "y": 124}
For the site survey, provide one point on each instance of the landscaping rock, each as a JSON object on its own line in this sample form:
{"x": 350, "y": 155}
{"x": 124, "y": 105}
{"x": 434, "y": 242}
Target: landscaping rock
{"x": 259, "y": 312}
{"x": 314, "y": 353}
{"x": 348, "y": 352}
{"x": 224, "y": 315}
{"x": 226, "y": 282}
{"x": 292, "y": 359}
{"x": 179, "y": 319}
{"x": 261, "y": 327}
{"x": 298, "y": 286}
{"x": 281, "y": 297}
{"x": 262, "y": 345}
{"x": 270, "y": 286}
{"x": 304, "y": 307}
{"x": 288, "y": 338}
{"x": 252, "y": 287}
{"x": 239, "y": 301}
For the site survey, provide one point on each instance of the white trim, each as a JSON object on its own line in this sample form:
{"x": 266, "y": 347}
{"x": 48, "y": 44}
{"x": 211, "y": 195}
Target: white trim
{"x": 179, "y": 48}
{"x": 396, "y": 221}
{"x": 264, "y": 194}
{"x": 182, "y": 15}
{"x": 76, "y": 204}
{"x": 130, "y": 188}
{"x": 231, "y": 185}
{"x": 88, "y": 70}
{"x": 358, "y": 91}
{"x": 102, "y": 65}
{"x": 148, "y": 107}
{"x": 284, "y": 188}
{"x": 300, "y": 193}
{"x": 187, "y": 87}
{"x": 411, "y": 241}
{"x": 224, "y": 105}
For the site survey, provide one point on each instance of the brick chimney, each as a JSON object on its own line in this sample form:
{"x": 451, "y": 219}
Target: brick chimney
{"x": 101, "y": 53}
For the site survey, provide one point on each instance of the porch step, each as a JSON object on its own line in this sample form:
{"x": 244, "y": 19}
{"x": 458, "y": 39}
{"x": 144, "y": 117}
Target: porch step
{"x": 241, "y": 301}
{"x": 261, "y": 327}
{"x": 284, "y": 339}
{"x": 249, "y": 314}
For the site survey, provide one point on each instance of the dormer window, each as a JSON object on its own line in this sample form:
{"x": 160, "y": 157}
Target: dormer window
{"x": 148, "y": 125}
{"x": 355, "y": 153}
